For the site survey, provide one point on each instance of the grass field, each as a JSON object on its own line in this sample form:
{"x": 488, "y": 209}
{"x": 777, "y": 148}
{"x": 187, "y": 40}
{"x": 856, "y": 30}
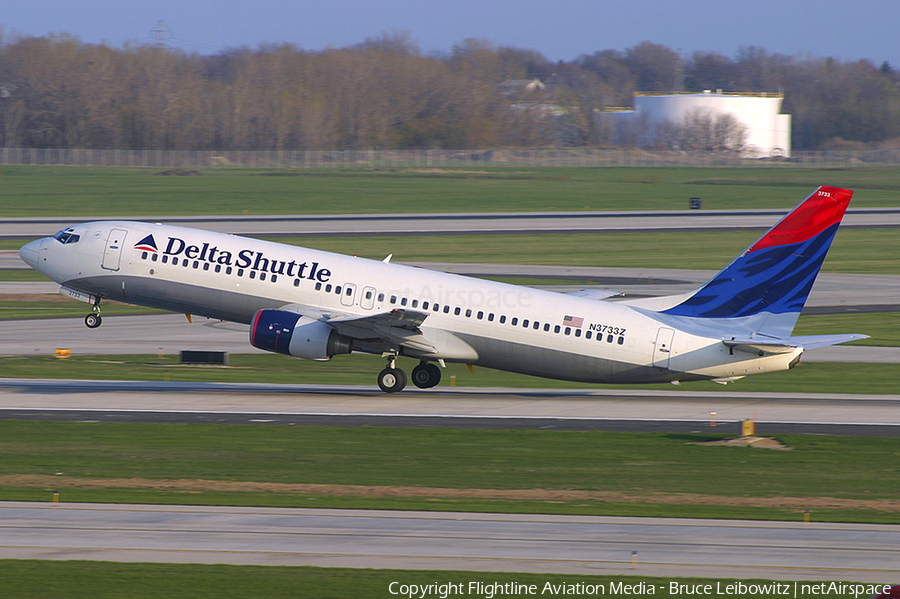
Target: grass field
{"x": 856, "y": 251}
{"x": 530, "y": 471}
{"x": 361, "y": 370}
{"x": 101, "y": 580}
{"x": 91, "y": 192}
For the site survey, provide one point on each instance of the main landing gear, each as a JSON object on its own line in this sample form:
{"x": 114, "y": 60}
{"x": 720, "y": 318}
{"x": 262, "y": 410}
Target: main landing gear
{"x": 94, "y": 320}
{"x": 392, "y": 379}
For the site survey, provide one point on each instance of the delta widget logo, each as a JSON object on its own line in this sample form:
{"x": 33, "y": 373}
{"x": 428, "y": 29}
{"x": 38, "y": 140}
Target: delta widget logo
{"x": 147, "y": 244}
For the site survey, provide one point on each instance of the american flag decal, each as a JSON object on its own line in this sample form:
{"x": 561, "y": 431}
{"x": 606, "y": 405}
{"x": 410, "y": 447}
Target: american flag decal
{"x": 573, "y": 321}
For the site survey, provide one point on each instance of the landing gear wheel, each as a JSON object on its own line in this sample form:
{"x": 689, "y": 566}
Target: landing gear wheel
{"x": 92, "y": 321}
{"x": 425, "y": 376}
{"x": 391, "y": 380}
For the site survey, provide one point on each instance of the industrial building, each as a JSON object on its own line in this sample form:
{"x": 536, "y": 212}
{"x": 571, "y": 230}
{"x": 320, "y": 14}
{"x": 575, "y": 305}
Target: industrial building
{"x": 656, "y": 117}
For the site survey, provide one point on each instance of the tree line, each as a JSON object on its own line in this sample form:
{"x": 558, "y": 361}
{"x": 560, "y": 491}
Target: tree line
{"x": 384, "y": 93}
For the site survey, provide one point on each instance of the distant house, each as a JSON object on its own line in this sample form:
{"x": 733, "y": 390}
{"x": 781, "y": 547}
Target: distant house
{"x": 512, "y": 87}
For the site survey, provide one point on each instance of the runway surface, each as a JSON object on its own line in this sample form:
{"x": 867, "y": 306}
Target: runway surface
{"x": 451, "y": 541}
{"x": 463, "y": 223}
{"x": 620, "y": 410}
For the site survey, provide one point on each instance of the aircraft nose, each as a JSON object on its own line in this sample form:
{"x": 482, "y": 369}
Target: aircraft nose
{"x": 30, "y": 253}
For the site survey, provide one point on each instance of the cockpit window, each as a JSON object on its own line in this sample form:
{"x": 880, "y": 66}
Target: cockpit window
{"x": 66, "y": 236}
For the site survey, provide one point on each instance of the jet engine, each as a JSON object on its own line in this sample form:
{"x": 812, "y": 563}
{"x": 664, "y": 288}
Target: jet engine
{"x": 291, "y": 334}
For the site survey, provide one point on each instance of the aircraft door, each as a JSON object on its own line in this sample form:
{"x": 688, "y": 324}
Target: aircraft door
{"x": 348, "y": 295}
{"x": 367, "y": 301}
{"x": 663, "y": 350}
{"x": 112, "y": 254}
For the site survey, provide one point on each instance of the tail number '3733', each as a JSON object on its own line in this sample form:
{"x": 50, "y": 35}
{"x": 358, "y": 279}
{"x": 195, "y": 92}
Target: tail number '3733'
{"x": 605, "y": 328}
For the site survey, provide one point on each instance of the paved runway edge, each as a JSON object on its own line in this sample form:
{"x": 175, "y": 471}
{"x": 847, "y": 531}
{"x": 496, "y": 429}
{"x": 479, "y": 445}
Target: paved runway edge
{"x": 735, "y": 549}
{"x": 473, "y": 408}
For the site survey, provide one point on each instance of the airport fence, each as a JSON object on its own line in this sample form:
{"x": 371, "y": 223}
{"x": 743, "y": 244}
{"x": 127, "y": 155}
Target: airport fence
{"x": 324, "y": 159}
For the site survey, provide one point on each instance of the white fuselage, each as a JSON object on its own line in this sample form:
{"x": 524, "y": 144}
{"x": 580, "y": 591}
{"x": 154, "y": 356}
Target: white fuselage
{"x": 519, "y": 329}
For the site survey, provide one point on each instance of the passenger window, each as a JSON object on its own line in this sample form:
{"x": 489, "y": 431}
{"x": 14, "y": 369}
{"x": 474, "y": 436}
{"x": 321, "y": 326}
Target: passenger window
{"x": 196, "y": 264}
{"x": 403, "y": 301}
{"x": 457, "y": 311}
{"x": 206, "y": 266}
{"x": 296, "y": 282}
{"x": 143, "y": 255}
{"x": 380, "y": 297}
{"x": 262, "y": 276}
{"x": 274, "y": 278}
{"x": 424, "y": 305}
{"x": 446, "y": 309}
{"x": 502, "y": 319}
{"x": 578, "y": 332}
{"x": 252, "y": 274}
{"x": 514, "y": 321}
{"x": 588, "y": 335}
{"x": 337, "y": 289}
{"x": 328, "y": 288}
{"x": 556, "y": 329}
{"x": 480, "y": 315}
{"x": 468, "y": 313}
{"x": 491, "y": 317}
{"x": 240, "y": 272}
{"x": 318, "y": 286}
{"x": 609, "y": 338}
{"x": 393, "y": 299}
{"x": 621, "y": 340}
{"x": 546, "y": 327}
{"x": 568, "y": 331}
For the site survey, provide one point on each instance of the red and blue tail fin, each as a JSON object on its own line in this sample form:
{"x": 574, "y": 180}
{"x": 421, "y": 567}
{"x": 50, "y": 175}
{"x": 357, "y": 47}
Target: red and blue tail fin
{"x": 774, "y": 275}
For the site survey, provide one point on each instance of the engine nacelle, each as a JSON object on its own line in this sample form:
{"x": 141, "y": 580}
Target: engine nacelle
{"x": 291, "y": 334}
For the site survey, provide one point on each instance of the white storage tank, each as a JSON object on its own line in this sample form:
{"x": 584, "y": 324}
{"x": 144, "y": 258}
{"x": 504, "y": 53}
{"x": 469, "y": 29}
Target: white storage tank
{"x": 768, "y": 132}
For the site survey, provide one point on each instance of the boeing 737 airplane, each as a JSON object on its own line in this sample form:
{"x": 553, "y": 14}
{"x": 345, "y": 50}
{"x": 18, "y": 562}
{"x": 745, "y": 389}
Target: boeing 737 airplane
{"x": 314, "y": 305}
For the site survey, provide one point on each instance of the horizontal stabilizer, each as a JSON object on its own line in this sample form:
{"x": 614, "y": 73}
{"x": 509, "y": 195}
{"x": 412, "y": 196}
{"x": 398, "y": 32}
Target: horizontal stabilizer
{"x": 762, "y": 345}
{"x": 814, "y": 341}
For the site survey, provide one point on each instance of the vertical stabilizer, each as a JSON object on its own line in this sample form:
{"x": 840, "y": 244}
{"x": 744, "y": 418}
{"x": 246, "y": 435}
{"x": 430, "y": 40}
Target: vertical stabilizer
{"x": 773, "y": 277}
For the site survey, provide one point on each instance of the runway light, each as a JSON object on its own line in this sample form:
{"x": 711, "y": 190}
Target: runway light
{"x": 712, "y": 418}
{"x": 805, "y": 517}
{"x": 63, "y": 353}
{"x": 55, "y": 497}
{"x": 634, "y": 560}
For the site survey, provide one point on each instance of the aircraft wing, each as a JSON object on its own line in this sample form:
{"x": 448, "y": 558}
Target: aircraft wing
{"x": 594, "y": 294}
{"x": 398, "y": 326}
{"x": 762, "y": 345}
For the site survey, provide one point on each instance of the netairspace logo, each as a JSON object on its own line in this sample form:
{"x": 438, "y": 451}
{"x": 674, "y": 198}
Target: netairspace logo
{"x": 491, "y": 590}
